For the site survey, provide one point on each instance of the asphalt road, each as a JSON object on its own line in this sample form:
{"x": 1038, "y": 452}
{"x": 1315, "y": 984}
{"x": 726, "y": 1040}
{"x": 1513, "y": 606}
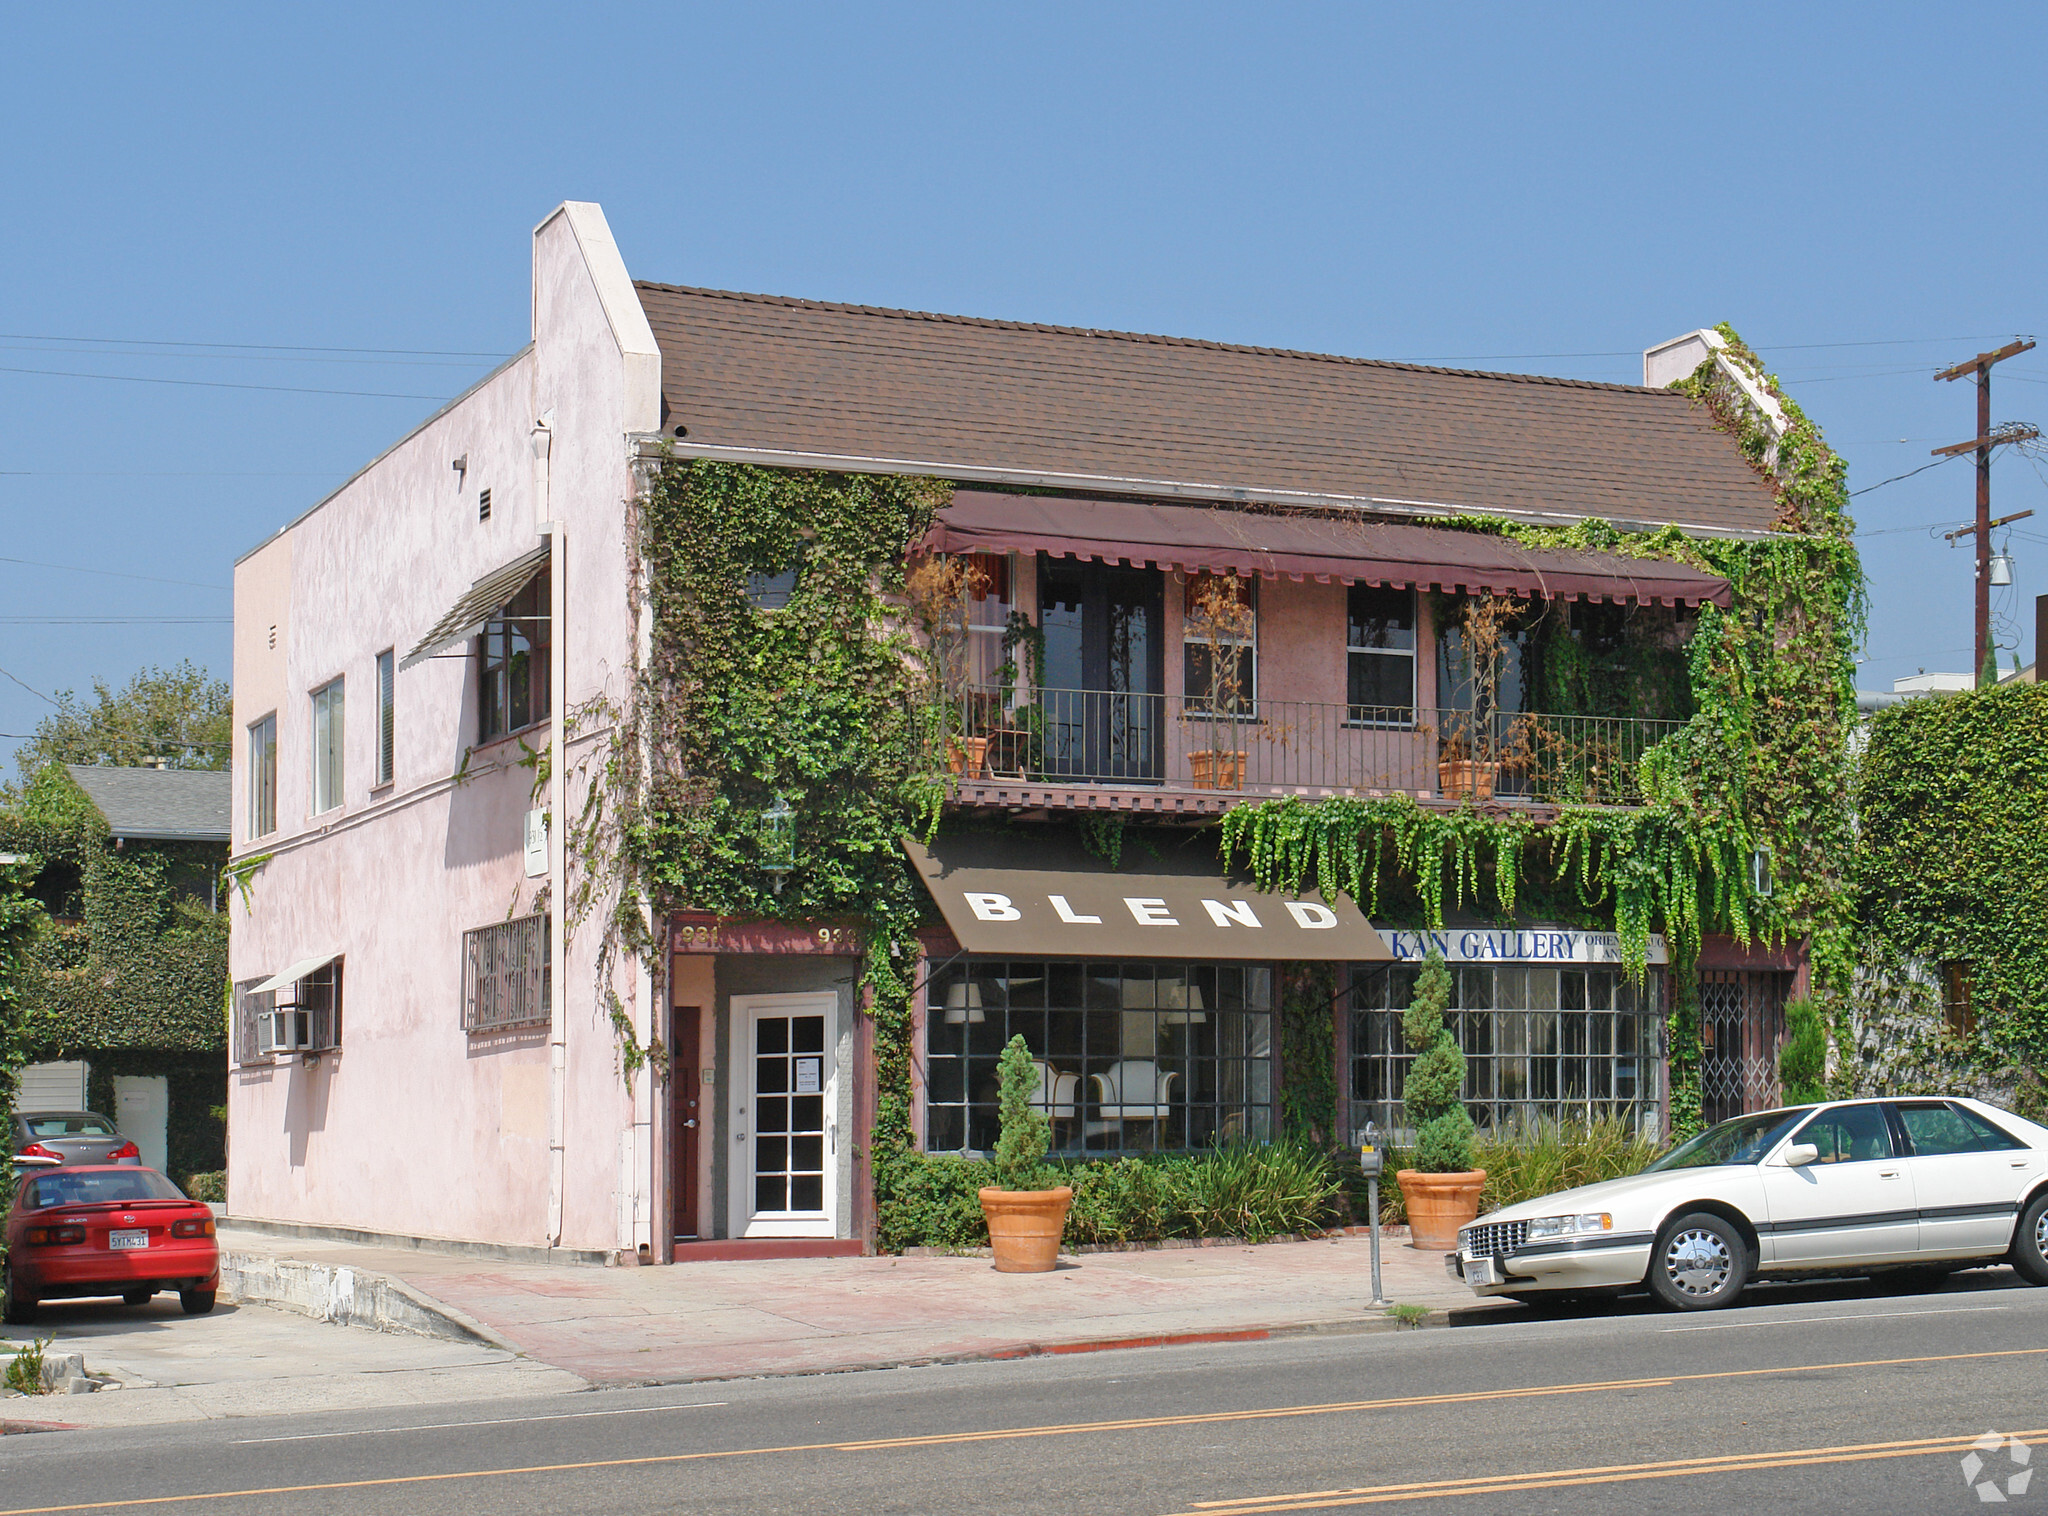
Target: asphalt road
{"x": 1836, "y": 1397}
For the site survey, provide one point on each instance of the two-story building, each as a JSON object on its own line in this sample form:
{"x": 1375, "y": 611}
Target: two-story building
{"x": 1193, "y": 575}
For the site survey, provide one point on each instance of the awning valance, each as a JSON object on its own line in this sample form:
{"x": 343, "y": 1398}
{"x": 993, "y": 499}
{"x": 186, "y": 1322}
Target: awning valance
{"x": 1033, "y": 898}
{"x": 295, "y": 973}
{"x": 1361, "y": 549}
{"x": 479, "y": 604}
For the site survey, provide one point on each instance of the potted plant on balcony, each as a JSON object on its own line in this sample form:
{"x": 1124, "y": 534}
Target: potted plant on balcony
{"x": 1469, "y": 758}
{"x": 1026, "y": 1212}
{"x": 1219, "y": 615}
{"x": 938, "y": 589}
{"x": 1442, "y": 1190}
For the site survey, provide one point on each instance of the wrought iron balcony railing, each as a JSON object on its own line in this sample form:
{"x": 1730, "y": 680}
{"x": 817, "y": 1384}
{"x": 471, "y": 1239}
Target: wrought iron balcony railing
{"x": 1109, "y": 737}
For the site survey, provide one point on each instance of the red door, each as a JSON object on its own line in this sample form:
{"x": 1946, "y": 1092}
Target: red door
{"x": 686, "y": 1092}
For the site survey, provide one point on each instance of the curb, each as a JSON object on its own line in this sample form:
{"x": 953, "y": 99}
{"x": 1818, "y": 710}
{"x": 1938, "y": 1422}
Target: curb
{"x": 348, "y": 1296}
{"x": 1343, "y": 1326}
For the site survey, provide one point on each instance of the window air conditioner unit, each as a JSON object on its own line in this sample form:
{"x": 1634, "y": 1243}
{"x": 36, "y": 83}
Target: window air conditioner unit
{"x": 284, "y": 1030}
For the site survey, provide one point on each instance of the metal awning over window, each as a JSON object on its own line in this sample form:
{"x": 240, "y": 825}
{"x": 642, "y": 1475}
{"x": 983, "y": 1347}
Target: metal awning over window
{"x": 1028, "y": 897}
{"x": 295, "y": 973}
{"x": 479, "y": 604}
{"x": 1352, "y": 550}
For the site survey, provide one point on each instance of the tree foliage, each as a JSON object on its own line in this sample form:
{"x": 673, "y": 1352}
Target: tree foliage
{"x": 180, "y": 717}
{"x": 1433, "y": 1093}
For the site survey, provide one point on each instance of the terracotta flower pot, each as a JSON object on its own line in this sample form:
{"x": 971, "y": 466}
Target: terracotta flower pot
{"x": 1464, "y": 779}
{"x": 1215, "y": 769}
{"x": 1024, "y": 1226}
{"x": 1438, "y": 1204}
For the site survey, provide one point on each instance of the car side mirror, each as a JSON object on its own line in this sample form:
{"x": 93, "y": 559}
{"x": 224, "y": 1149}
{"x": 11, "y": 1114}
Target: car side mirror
{"x": 1800, "y": 1154}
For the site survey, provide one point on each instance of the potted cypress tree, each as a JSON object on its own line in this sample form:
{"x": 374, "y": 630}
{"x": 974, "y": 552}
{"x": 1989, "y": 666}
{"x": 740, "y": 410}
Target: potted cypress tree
{"x": 1442, "y": 1190}
{"x": 1026, "y": 1212}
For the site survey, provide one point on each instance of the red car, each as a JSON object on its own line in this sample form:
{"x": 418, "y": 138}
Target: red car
{"x": 106, "y": 1230}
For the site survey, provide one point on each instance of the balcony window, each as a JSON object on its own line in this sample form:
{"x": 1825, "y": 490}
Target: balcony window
{"x": 1133, "y": 1057}
{"x": 1379, "y": 652}
{"x": 1220, "y": 645}
{"x": 512, "y": 686}
{"x": 387, "y": 694}
{"x": 327, "y": 747}
{"x": 987, "y": 603}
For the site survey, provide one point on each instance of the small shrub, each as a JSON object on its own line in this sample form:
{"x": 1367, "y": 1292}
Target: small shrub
{"x": 1025, "y": 1133}
{"x": 1434, "y": 1089}
{"x": 25, "y": 1370}
{"x": 1802, "y": 1061}
{"x": 1125, "y": 1200}
{"x": 1259, "y": 1192}
{"x": 1552, "y": 1156}
{"x": 931, "y": 1200}
{"x": 211, "y": 1187}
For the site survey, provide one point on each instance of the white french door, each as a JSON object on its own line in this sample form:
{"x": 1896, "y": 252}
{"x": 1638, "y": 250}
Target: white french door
{"x": 784, "y": 1116}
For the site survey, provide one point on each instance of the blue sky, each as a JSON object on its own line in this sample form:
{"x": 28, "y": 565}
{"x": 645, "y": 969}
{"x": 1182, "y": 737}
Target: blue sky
{"x": 1858, "y": 189}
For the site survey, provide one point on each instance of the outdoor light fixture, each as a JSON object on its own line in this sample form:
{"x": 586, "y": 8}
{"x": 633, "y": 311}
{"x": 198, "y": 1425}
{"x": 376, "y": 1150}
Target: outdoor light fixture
{"x": 963, "y": 1003}
{"x": 1760, "y": 873}
{"x": 778, "y": 841}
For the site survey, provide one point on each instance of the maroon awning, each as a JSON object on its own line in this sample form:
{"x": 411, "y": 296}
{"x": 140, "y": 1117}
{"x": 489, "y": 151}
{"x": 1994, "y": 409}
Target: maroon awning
{"x": 1349, "y": 550}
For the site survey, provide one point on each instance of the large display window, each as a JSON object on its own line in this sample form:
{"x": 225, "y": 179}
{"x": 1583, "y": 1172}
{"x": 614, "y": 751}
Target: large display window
{"x": 1132, "y": 1057}
{"x": 1541, "y": 1044}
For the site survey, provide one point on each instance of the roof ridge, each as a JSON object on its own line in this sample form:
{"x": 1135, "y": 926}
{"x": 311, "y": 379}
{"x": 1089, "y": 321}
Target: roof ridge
{"x": 1150, "y": 338}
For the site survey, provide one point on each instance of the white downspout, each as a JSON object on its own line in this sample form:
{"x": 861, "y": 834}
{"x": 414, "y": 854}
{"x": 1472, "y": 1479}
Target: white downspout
{"x": 558, "y": 873}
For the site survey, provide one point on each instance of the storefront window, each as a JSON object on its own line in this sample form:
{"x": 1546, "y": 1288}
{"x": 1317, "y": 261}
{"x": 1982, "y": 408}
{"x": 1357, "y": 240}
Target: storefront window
{"x": 1571, "y": 1044}
{"x": 1133, "y": 1057}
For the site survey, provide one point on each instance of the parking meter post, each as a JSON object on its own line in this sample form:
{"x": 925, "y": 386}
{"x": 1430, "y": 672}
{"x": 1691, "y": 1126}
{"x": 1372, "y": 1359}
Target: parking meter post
{"x": 1372, "y": 1199}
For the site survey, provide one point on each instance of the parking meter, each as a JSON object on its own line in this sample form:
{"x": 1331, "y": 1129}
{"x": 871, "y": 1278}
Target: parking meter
{"x": 1373, "y": 1163}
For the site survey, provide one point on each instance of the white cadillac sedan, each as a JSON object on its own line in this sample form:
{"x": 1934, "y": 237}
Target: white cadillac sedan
{"x": 1849, "y": 1187}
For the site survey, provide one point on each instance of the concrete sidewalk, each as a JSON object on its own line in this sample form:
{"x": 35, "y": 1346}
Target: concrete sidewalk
{"x": 798, "y": 1316}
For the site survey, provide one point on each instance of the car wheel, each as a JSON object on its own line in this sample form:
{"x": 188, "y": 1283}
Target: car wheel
{"x": 15, "y": 1309}
{"x": 2030, "y": 1242}
{"x": 1700, "y": 1263}
{"x": 195, "y": 1302}
{"x": 138, "y": 1297}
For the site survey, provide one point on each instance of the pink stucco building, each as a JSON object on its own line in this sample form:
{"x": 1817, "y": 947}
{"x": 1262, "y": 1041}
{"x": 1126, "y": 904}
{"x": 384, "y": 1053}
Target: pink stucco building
{"x": 420, "y": 1047}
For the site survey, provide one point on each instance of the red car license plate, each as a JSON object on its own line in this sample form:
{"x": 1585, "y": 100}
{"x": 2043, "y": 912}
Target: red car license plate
{"x": 138, "y": 1238}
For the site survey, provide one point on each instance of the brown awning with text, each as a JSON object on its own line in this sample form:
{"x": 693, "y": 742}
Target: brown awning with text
{"x": 1030, "y": 898}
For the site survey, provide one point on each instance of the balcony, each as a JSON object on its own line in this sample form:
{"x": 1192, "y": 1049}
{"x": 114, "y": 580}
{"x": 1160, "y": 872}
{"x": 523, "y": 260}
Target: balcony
{"x": 1104, "y": 749}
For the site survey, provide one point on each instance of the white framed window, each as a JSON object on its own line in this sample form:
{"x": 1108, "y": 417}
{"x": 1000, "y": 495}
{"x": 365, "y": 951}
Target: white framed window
{"x": 512, "y": 684}
{"x": 1379, "y": 652}
{"x": 263, "y": 776}
{"x": 327, "y": 747}
{"x": 1220, "y": 645}
{"x": 387, "y": 670}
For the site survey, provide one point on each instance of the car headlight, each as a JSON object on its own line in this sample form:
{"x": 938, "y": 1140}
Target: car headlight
{"x": 1569, "y": 1226}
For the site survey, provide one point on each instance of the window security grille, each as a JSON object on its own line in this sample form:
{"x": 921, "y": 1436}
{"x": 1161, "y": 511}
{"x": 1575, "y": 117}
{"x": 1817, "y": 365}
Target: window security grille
{"x": 483, "y": 506}
{"x": 506, "y": 975}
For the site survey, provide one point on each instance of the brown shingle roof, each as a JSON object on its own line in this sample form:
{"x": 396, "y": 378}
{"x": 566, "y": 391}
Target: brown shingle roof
{"x": 979, "y": 398}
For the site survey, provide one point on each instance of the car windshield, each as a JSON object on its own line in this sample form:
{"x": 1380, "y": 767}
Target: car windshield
{"x": 1744, "y": 1140}
{"x": 68, "y": 1124}
{"x": 91, "y": 1186}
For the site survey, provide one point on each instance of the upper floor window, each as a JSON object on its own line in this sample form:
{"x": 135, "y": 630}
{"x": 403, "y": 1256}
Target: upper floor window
{"x": 387, "y": 668}
{"x": 513, "y": 688}
{"x": 327, "y": 747}
{"x": 1379, "y": 651}
{"x": 1220, "y": 644}
{"x": 263, "y": 776}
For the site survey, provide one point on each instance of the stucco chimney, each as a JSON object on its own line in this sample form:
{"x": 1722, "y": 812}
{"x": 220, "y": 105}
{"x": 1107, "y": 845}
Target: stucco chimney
{"x": 1668, "y": 362}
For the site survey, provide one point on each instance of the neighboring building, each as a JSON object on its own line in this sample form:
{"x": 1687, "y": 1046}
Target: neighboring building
{"x": 123, "y": 989}
{"x": 402, "y": 650}
{"x": 1933, "y": 684}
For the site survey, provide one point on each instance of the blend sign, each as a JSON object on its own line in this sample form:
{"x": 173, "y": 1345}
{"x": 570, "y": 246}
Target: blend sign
{"x": 1028, "y": 899}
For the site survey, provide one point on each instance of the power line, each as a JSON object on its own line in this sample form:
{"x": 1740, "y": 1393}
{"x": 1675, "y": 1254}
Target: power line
{"x": 116, "y": 620}
{"x": 36, "y": 692}
{"x": 72, "y": 568}
{"x": 260, "y": 347}
{"x": 1937, "y": 463}
{"x": 1776, "y": 347}
{"x": 217, "y": 384}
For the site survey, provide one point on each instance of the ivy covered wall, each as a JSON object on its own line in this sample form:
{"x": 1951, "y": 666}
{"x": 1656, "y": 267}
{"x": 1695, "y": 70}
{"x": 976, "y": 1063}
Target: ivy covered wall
{"x": 1952, "y": 803}
{"x": 125, "y": 960}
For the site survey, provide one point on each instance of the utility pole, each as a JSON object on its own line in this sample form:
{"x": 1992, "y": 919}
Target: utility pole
{"x": 1982, "y": 444}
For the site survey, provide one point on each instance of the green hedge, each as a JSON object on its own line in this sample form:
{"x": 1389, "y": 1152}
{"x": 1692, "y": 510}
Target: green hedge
{"x": 931, "y": 1199}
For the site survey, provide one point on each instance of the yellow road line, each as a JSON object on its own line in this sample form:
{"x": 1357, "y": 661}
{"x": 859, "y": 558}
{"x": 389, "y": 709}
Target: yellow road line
{"x": 1068, "y": 1429}
{"x": 1554, "y": 1479}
